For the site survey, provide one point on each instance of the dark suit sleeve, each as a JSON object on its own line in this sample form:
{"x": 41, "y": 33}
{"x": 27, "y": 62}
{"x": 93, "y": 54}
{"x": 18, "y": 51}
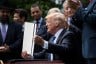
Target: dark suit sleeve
{"x": 89, "y": 15}
{"x": 65, "y": 47}
{"x": 17, "y": 44}
{"x": 43, "y": 33}
{"x": 91, "y": 19}
{"x": 77, "y": 18}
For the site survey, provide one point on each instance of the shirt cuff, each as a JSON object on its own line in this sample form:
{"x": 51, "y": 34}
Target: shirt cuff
{"x": 45, "y": 44}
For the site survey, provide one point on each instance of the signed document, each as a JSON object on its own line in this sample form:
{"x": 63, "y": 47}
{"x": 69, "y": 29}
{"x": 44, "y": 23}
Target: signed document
{"x": 28, "y": 38}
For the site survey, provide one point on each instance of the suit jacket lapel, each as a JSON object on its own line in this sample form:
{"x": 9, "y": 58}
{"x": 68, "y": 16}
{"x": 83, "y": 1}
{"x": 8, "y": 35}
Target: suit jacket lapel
{"x": 42, "y": 22}
{"x": 8, "y": 32}
{"x": 1, "y": 40}
{"x": 60, "y": 36}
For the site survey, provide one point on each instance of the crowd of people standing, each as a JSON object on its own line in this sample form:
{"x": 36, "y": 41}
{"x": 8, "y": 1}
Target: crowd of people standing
{"x": 67, "y": 35}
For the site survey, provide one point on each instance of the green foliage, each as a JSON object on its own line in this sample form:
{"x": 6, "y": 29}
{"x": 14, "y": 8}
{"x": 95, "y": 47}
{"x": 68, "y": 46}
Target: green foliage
{"x": 26, "y": 4}
{"x": 85, "y": 2}
{"x": 45, "y": 4}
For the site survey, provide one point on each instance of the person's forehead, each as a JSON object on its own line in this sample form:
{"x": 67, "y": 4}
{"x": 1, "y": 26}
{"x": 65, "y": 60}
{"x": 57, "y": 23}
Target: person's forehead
{"x": 50, "y": 19}
{"x": 65, "y": 5}
{"x": 35, "y": 8}
{"x": 4, "y": 9}
{"x": 16, "y": 14}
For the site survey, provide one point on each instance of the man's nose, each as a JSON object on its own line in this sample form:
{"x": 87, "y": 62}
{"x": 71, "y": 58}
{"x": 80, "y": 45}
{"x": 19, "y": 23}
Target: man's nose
{"x": 35, "y": 13}
{"x": 69, "y": 9}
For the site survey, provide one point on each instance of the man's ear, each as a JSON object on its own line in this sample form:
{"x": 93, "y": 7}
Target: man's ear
{"x": 56, "y": 24}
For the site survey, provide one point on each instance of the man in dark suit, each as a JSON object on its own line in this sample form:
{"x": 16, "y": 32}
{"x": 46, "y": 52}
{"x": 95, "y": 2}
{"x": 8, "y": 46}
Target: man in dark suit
{"x": 41, "y": 30}
{"x": 36, "y": 13}
{"x": 87, "y": 18}
{"x": 64, "y": 46}
{"x": 10, "y": 35}
{"x": 89, "y": 33}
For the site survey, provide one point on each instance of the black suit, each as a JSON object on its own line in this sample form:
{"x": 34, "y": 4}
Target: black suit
{"x": 88, "y": 32}
{"x": 42, "y": 30}
{"x": 13, "y": 40}
{"x": 67, "y": 47}
{"x": 39, "y": 52}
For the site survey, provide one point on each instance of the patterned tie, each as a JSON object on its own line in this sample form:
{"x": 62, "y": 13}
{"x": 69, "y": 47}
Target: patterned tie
{"x": 3, "y": 32}
{"x": 52, "y": 39}
{"x": 37, "y": 26}
{"x": 50, "y": 55}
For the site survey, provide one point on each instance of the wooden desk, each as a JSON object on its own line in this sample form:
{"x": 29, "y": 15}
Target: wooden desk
{"x": 34, "y": 62}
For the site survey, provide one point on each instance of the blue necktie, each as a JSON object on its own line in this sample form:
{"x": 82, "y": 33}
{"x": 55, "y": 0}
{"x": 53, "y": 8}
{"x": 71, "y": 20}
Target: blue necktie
{"x": 50, "y": 55}
{"x": 52, "y": 39}
{"x": 3, "y": 32}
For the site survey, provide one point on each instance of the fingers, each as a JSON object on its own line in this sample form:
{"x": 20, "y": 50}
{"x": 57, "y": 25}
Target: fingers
{"x": 25, "y": 55}
{"x": 2, "y": 47}
{"x": 1, "y": 62}
{"x": 39, "y": 40}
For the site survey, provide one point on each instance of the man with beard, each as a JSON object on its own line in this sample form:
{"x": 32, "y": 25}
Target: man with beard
{"x": 10, "y": 35}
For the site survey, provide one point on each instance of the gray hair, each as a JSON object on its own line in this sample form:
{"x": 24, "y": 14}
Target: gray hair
{"x": 53, "y": 10}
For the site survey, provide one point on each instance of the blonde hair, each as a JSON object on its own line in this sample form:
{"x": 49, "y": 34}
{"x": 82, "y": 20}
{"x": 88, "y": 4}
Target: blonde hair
{"x": 59, "y": 16}
{"x": 72, "y": 4}
{"x": 53, "y": 10}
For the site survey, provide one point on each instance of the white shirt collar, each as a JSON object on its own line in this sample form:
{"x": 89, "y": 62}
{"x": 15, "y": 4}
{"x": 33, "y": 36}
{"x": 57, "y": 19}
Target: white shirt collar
{"x": 69, "y": 20}
{"x": 40, "y": 20}
{"x": 5, "y": 25}
{"x": 57, "y": 35}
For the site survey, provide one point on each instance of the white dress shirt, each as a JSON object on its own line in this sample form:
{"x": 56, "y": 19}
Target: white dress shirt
{"x": 5, "y": 25}
{"x": 69, "y": 20}
{"x": 4, "y": 28}
{"x": 40, "y": 21}
{"x": 54, "y": 42}
{"x": 56, "y": 35}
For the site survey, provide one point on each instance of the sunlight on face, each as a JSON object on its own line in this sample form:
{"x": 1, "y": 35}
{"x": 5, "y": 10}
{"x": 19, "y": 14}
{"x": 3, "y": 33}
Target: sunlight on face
{"x": 16, "y": 17}
{"x": 36, "y": 12}
{"x": 68, "y": 11}
{"x": 51, "y": 24}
